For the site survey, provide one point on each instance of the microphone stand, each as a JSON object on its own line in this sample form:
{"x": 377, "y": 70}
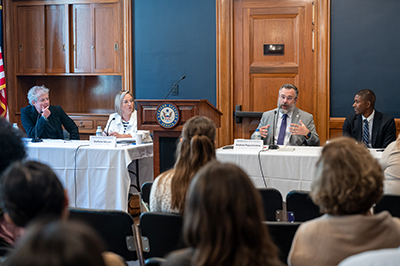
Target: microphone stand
{"x": 37, "y": 139}
{"x": 174, "y": 86}
{"x": 109, "y": 124}
{"x": 273, "y": 146}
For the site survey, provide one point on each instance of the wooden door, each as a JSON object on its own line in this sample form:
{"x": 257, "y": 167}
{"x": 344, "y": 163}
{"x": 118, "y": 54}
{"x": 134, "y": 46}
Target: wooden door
{"x": 106, "y": 38}
{"x": 82, "y": 38}
{"x": 30, "y": 30}
{"x": 258, "y": 74}
{"x": 56, "y": 39}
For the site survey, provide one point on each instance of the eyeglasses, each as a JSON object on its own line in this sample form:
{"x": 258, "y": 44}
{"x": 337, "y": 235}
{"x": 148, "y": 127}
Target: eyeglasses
{"x": 289, "y": 98}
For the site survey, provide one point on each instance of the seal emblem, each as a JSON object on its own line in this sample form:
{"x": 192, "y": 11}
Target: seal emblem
{"x": 167, "y": 115}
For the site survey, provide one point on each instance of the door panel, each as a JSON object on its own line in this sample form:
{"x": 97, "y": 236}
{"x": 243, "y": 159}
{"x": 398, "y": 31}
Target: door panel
{"x": 82, "y": 38}
{"x": 258, "y": 77}
{"x": 56, "y": 46}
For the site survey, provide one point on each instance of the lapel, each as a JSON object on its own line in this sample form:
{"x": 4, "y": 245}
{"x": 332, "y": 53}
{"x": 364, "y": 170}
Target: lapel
{"x": 376, "y": 126}
{"x": 358, "y": 128}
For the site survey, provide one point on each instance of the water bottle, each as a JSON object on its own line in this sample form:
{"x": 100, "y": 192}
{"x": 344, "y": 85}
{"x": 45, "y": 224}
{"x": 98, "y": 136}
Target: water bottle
{"x": 257, "y": 135}
{"x": 15, "y": 125}
{"x": 99, "y": 132}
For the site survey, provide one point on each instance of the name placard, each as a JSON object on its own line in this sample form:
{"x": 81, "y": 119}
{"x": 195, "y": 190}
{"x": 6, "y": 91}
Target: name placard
{"x": 103, "y": 141}
{"x": 246, "y": 144}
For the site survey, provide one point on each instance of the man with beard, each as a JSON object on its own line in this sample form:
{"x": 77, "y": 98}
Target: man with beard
{"x": 292, "y": 126}
{"x": 367, "y": 125}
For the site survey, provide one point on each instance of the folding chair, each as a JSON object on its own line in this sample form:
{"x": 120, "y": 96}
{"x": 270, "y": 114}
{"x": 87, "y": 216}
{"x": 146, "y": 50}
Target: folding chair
{"x": 300, "y": 203}
{"x": 282, "y": 234}
{"x": 116, "y": 228}
{"x": 161, "y": 233}
{"x": 390, "y": 203}
{"x": 146, "y": 188}
{"x": 272, "y": 201}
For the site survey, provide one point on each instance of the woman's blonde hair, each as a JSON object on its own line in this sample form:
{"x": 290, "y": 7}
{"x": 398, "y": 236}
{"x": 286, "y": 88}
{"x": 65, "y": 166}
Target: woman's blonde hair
{"x": 348, "y": 179}
{"x": 195, "y": 149}
{"x": 118, "y": 101}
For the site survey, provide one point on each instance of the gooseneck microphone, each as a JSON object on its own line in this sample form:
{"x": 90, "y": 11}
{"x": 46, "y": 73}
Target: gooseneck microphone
{"x": 173, "y": 87}
{"x": 273, "y": 146}
{"x": 36, "y": 138}
{"x": 109, "y": 124}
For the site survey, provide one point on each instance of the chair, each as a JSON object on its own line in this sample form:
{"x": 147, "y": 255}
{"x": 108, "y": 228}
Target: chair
{"x": 116, "y": 228}
{"x": 300, "y": 203}
{"x": 282, "y": 234}
{"x": 146, "y": 188}
{"x": 272, "y": 201}
{"x": 390, "y": 203}
{"x": 161, "y": 233}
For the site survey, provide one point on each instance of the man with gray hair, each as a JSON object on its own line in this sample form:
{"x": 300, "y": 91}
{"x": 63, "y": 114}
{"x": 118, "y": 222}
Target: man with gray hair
{"x": 46, "y": 119}
{"x": 288, "y": 125}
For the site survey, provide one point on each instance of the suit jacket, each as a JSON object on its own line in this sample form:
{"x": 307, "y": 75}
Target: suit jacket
{"x": 383, "y": 129}
{"x": 58, "y": 117}
{"x": 269, "y": 117}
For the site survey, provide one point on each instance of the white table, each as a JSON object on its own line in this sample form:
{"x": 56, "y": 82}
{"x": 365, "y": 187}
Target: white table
{"x": 99, "y": 179}
{"x": 285, "y": 169}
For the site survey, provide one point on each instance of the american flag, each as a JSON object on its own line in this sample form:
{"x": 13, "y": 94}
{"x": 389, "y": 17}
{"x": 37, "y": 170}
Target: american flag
{"x": 3, "y": 94}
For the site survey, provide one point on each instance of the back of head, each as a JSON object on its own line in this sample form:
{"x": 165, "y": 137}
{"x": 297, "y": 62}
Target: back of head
{"x": 194, "y": 150}
{"x": 367, "y": 95}
{"x": 57, "y": 244}
{"x": 223, "y": 219}
{"x": 12, "y": 146}
{"x": 348, "y": 179}
{"x": 30, "y": 190}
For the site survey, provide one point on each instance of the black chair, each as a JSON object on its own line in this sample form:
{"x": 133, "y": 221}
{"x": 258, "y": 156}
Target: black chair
{"x": 161, "y": 233}
{"x": 390, "y": 203}
{"x": 282, "y": 234}
{"x": 272, "y": 201}
{"x": 300, "y": 203}
{"x": 116, "y": 228}
{"x": 154, "y": 261}
{"x": 146, "y": 188}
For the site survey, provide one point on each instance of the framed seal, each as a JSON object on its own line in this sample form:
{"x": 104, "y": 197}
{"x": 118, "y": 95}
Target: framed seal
{"x": 167, "y": 115}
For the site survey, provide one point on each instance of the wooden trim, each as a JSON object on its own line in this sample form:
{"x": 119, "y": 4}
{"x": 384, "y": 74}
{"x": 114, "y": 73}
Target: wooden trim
{"x": 224, "y": 12}
{"x": 127, "y": 71}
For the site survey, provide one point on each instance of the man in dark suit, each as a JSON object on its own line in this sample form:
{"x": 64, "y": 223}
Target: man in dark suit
{"x": 45, "y": 117}
{"x": 367, "y": 125}
{"x": 290, "y": 125}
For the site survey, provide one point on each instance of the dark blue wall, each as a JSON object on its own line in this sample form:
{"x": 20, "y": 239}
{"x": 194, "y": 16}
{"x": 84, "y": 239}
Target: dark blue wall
{"x": 173, "y": 38}
{"x": 365, "y": 53}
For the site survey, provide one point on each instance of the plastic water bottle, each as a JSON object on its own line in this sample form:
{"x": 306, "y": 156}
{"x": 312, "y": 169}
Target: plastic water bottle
{"x": 15, "y": 125}
{"x": 257, "y": 135}
{"x": 99, "y": 132}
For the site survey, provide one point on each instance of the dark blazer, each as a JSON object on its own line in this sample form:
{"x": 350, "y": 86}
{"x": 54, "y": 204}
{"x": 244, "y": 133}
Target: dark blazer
{"x": 58, "y": 117}
{"x": 383, "y": 129}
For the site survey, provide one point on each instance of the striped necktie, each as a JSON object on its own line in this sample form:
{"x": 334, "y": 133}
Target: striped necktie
{"x": 365, "y": 136}
{"x": 282, "y": 131}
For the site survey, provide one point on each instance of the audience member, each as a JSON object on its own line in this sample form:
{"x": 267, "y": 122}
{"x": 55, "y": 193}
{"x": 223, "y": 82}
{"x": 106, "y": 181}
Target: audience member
{"x": 57, "y": 244}
{"x": 12, "y": 150}
{"x": 273, "y": 124}
{"x": 390, "y": 162}
{"x": 30, "y": 191}
{"x": 45, "y": 119}
{"x": 123, "y": 123}
{"x": 223, "y": 221}
{"x": 195, "y": 148}
{"x": 349, "y": 181}
{"x": 367, "y": 125}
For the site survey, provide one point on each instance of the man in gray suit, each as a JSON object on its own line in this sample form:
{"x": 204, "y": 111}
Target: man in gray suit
{"x": 288, "y": 125}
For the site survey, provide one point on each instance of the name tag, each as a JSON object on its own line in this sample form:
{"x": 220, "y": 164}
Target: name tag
{"x": 246, "y": 144}
{"x": 103, "y": 141}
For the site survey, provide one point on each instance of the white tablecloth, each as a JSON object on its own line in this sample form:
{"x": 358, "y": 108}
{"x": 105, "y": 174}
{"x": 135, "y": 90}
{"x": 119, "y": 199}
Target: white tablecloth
{"x": 99, "y": 179}
{"x": 285, "y": 169}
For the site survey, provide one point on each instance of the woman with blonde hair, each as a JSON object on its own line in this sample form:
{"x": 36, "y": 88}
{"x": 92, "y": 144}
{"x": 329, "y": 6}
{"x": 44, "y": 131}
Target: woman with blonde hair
{"x": 195, "y": 148}
{"x": 349, "y": 181}
{"x": 123, "y": 123}
{"x": 223, "y": 221}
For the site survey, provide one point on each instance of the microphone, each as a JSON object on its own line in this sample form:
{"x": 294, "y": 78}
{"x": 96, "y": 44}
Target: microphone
{"x": 173, "y": 87}
{"x": 273, "y": 146}
{"x": 37, "y": 139}
{"x": 109, "y": 124}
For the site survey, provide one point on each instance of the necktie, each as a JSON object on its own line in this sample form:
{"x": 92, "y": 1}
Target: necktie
{"x": 365, "y": 136}
{"x": 282, "y": 131}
